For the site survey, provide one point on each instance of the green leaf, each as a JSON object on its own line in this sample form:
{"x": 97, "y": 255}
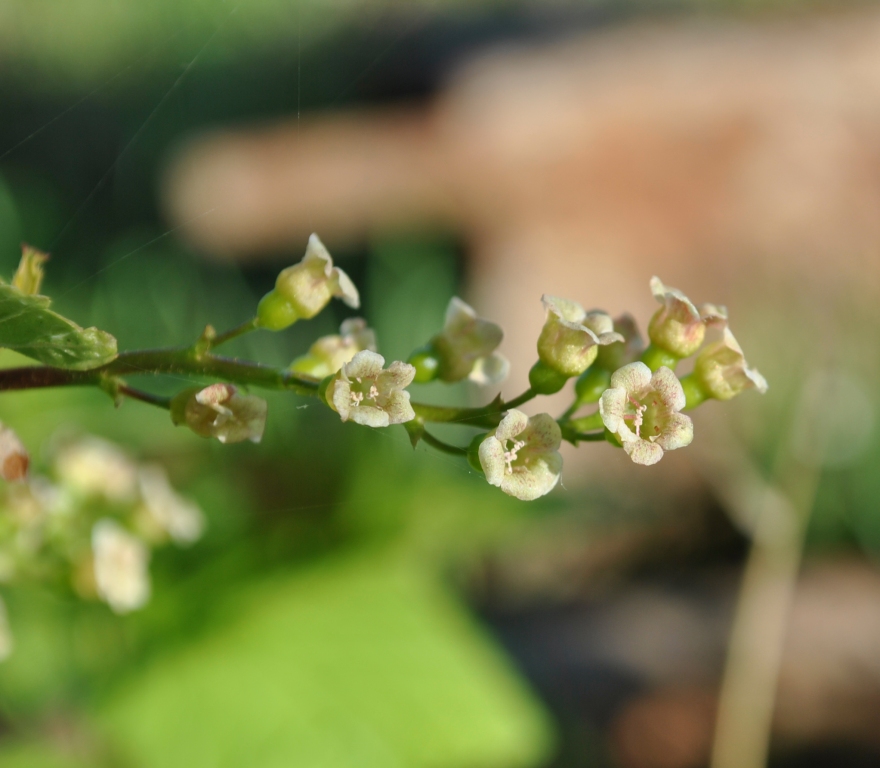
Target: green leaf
{"x": 361, "y": 660}
{"x": 29, "y": 327}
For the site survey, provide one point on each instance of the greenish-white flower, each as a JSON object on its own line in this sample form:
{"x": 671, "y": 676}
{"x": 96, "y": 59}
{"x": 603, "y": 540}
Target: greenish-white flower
{"x": 120, "y": 563}
{"x": 722, "y": 371}
{"x": 466, "y": 347}
{"x": 642, "y": 409}
{"x": 678, "y": 326}
{"x": 329, "y": 353}
{"x": 174, "y": 515}
{"x": 522, "y": 456}
{"x": 309, "y": 285}
{"x": 365, "y": 393}
{"x": 91, "y": 466}
{"x": 571, "y": 336}
{"x": 222, "y": 412}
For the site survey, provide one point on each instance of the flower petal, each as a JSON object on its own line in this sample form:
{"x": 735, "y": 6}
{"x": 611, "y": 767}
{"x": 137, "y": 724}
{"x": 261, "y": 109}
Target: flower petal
{"x": 635, "y": 378}
{"x": 678, "y": 432}
{"x": 643, "y": 452}
{"x": 491, "y": 370}
{"x": 491, "y": 455}
{"x": 667, "y": 385}
{"x": 536, "y": 479}
{"x": 511, "y": 425}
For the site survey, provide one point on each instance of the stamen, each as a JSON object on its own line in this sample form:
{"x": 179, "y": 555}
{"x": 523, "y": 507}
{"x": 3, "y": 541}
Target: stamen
{"x": 357, "y": 398}
{"x": 510, "y": 456}
{"x": 374, "y": 393}
{"x": 639, "y": 416}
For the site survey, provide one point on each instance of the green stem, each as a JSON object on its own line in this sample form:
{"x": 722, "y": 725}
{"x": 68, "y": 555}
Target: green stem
{"x": 144, "y": 397}
{"x": 587, "y": 423}
{"x": 241, "y": 330}
{"x": 529, "y": 394}
{"x": 441, "y": 446}
{"x": 586, "y": 437}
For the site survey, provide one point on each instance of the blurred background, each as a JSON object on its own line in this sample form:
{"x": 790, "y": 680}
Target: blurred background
{"x": 352, "y": 602}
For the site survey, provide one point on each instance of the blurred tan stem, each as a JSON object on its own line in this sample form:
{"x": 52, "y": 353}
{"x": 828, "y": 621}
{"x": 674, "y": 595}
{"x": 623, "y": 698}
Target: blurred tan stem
{"x": 779, "y": 513}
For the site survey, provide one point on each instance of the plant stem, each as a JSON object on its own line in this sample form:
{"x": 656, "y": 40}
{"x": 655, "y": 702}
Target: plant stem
{"x": 144, "y": 397}
{"x": 529, "y": 394}
{"x": 441, "y": 446}
{"x": 233, "y": 333}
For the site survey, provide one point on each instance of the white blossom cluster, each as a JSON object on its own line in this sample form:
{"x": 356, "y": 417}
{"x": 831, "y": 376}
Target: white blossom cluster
{"x": 93, "y": 520}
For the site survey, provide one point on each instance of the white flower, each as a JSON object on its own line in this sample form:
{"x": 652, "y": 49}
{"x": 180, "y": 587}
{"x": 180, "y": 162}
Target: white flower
{"x": 522, "y": 456}
{"x": 678, "y": 326}
{"x": 220, "y": 411}
{"x": 309, "y": 285}
{"x": 181, "y": 519}
{"x": 466, "y": 347}
{"x": 643, "y": 411}
{"x": 92, "y": 466}
{"x": 722, "y": 371}
{"x": 120, "y": 564}
{"x": 329, "y": 353}
{"x": 368, "y": 395}
{"x": 570, "y": 338}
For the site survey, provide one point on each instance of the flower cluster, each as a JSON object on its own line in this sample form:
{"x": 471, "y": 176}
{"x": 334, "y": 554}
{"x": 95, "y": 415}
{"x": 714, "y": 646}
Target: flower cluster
{"x": 92, "y": 519}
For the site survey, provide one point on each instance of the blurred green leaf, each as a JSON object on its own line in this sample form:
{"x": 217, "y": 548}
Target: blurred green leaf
{"x": 358, "y": 661}
{"x": 29, "y": 327}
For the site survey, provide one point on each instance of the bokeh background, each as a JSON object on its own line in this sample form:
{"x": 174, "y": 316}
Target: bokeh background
{"x": 354, "y": 603}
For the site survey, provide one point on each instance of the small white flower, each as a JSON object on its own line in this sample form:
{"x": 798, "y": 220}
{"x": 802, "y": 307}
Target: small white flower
{"x": 643, "y": 411}
{"x": 678, "y": 326}
{"x": 466, "y": 347}
{"x": 181, "y": 519}
{"x": 120, "y": 565}
{"x": 365, "y": 393}
{"x": 571, "y": 337}
{"x": 309, "y": 285}
{"x": 91, "y": 466}
{"x": 329, "y": 353}
{"x": 522, "y": 456}
{"x": 220, "y": 411}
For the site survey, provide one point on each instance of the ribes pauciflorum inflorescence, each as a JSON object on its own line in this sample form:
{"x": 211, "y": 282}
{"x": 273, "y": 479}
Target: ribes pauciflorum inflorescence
{"x": 638, "y": 398}
{"x": 96, "y": 515}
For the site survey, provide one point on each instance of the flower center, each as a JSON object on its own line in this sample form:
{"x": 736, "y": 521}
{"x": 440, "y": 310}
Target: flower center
{"x": 638, "y": 417}
{"x": 511, "y": 455}
{"x": 357, "y": 396}
{"x": 648, "y": 416}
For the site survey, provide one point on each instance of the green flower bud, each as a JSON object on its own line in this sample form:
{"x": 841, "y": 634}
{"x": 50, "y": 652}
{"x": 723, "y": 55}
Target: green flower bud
{"x": 544, "y": 380}
{"x": 426, "y": 363}
{"x": 591, "y": 384}
{"x": 275, "y": 313}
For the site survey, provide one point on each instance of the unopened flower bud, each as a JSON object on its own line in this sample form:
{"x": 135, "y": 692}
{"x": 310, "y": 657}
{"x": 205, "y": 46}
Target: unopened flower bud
{"x": 365, "y": 393}
{"x": 303, "y": 290}
{"x": 120, "y": 566}
{"x": 571, "y": 337}
{"x": 678, "y": 327}
{"x": 329, "y": 353}
{"x": 722, "y": 372}
{"x": 220, "y": 411}
{"x": 14, "y": 459}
